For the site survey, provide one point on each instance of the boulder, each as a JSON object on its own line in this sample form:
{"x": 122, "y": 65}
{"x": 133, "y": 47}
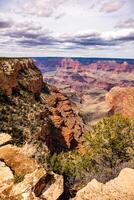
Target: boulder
{"x": 22, "y": 177}
{"x": 6, "y": 179}
{"x": 25, "y": 187}
{"x": 19, "y": 163}
{"x": 120, "y": 188}
{"x": 5, "y": 138}
{"x": 55, "y": 189}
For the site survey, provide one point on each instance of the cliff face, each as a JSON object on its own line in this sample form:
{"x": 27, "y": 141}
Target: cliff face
{"x": 15, "y": 74}
{"x": 121, "y": 100}
{"x": 31, "y": 110}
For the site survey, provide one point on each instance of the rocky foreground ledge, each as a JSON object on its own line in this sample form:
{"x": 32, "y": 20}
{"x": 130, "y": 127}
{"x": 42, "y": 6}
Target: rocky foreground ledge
{"x": 120, "y": 188}
{"x": 22, "y": 178}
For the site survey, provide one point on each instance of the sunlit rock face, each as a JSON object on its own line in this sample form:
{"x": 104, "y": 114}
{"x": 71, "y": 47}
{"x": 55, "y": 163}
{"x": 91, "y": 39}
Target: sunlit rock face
{"x": 116, "y": 189}
{"x": 121, "y": 100}
{"x": 21, "y": 177}
{"x": 15, "y": 73}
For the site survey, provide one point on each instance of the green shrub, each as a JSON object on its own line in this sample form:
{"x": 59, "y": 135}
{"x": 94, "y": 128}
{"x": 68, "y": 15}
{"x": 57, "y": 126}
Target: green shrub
{"x": 108, "y": 147}
{"x": 17, "y": 135}
{"x": 18, "y": 178}
{"x": 74, "y": 167}
{"x": 112, "y": 140}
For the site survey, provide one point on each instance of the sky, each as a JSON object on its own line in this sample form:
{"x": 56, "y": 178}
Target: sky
{"x": 68, "y": 28}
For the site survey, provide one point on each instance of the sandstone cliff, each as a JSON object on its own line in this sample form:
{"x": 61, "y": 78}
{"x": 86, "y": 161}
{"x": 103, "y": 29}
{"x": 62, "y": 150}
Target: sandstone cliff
{"x": 31, "y": 109}
{"x": 121, "y": 100}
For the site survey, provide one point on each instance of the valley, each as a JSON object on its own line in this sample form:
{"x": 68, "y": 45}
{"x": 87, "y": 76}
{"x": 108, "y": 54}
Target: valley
{"x": 87, "y": 81}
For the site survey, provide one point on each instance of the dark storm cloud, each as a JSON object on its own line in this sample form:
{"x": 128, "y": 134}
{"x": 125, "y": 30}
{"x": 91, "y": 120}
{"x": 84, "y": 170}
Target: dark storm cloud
{"x": 73, "y": 42}
{"x": 128, "y": 38}
{"x": 41, "y": 41}
{"x": 5, "y": 24}
{"x": 98, "y": 40}
{"x": 91, "y": 39}
{"x": 20, "y": 34}
{"x": 25, "y": 29}
{"x": 93, "y": 42}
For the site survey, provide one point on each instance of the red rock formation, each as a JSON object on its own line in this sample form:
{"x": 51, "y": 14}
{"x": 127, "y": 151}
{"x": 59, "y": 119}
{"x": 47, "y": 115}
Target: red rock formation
{"x": 64, "y": 119}
{"x": 121, "y": 100}
{"x": 77, "y": 78}
{"x": 69, "y": 63}
{"x": 10, "y": 75}
{"x": 60, "y": 127}
{"x": 111, "y": 66}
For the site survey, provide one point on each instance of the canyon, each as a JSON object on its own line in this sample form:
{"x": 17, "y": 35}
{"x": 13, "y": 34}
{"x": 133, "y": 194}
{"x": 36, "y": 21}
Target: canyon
{"x": 87, "y": 81}
{"x": 46, "y": 115}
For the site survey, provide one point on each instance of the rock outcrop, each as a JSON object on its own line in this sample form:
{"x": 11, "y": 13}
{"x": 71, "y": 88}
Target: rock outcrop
{"x": 120, "y": 188}
{"x": 15, "y": 73}
{"x": 5, "y": 139}
{"x": 67, "y": 124}
{"x": 31, "y": 110}
{"x": 121, "y": 100}
{"x": 21, "y": 177}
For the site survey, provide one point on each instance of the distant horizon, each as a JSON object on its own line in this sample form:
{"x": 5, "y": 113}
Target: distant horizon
{"x": 107, "y": 58}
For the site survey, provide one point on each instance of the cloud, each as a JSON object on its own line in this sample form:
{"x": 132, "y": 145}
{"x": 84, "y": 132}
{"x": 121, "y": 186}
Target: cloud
{"x": 126, "y": 38}
{"x": 40, "y": 41}
{"x": 112, "y": 6}
{"x": 5, "y": 24}
{"x": 28, "y": 34}
{"x": 129, "y": 23}
{"x": 97, "y": 39}
{"x": 85, "y": 39}
{"x": 60, "y": 16}
{"x": 40, "y": 7}
{"x": 25, "y": 29}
